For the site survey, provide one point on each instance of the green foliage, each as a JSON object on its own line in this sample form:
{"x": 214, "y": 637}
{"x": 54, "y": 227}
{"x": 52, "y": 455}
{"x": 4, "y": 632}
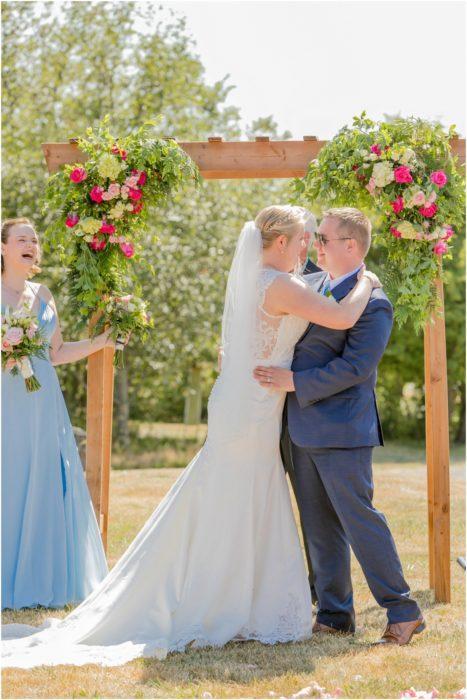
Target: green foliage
{"x": 348, "y": 173}
{"x": 137, "y": 164}
{"x": 59, "y": 76}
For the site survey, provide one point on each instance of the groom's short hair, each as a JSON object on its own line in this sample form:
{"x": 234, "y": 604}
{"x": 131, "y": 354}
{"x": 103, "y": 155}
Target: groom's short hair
{"x": 355, "y": 223}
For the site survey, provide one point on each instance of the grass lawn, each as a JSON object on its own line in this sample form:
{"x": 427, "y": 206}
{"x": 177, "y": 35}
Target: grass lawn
{"x": 434, "y": 659}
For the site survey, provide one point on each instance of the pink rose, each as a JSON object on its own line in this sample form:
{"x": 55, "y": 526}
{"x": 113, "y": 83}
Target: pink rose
{"x": 96, "y": 194}
{"x": 402, "y": 174}
{"x": 6, "y": 345}
{"x": 418, "y": 199}
{"x": 429, "y": 211}
{"x": 448, "y": 233}
{"x": 376, "y": 149}
{"x": 440, "y": 248}
{"x": 135, "y": 194}
{"x": 31, "y": 332}
{"x": 114, "y": 189}
{"x": 439, "y": 178}
{"x": 137, "y": 207}
{"x": 106, "y": 196}
{"x": 71, "y": 220}
{"x": 97, "y": 243}
{"x": 371, "y": 185}
{"x": 107, "y": 228}
{"x": 78, "y": 175}
{"x": 397, "y": 205}
{"x": 131, "y": 181}
{"x": 14, "y": 335}
{"x": 127, "y": 249}
{"x": 395, "y": 232}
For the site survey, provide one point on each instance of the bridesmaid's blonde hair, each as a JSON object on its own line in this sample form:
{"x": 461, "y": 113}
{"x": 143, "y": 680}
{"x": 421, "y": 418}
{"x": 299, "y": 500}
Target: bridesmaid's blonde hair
{"x": 6, "y": 228}
{"x": 278, "y": 220}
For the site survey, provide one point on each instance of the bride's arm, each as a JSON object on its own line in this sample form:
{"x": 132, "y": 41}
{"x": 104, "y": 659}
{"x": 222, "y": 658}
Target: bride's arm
{"x": 290, "y": 295}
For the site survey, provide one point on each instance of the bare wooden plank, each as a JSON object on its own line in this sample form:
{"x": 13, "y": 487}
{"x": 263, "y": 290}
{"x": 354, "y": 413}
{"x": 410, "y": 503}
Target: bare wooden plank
{"x": 437, "y": 440}
{"x": 108, "y": 392}
{"x": 99, "y": 433}
{"x": 219, "y": 159}
{"x": 429, "y": 457}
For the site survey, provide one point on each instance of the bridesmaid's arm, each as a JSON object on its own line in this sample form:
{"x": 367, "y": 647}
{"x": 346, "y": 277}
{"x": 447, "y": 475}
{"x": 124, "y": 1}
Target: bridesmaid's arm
{"x": 62, "y": 353}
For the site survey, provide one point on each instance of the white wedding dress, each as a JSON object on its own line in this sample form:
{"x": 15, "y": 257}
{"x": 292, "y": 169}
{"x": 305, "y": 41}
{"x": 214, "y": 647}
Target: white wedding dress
{"x": 220, "y": 557}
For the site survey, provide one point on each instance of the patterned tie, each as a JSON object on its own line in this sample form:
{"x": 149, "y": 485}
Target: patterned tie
{"x": 326, "y": 290}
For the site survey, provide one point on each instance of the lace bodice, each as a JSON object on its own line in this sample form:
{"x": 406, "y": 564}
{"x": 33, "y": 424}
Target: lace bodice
{"x": 276, "y": 335}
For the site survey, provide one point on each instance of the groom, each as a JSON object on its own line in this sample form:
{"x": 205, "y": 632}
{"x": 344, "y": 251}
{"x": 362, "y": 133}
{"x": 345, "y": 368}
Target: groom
{"x": 331, "y": 425}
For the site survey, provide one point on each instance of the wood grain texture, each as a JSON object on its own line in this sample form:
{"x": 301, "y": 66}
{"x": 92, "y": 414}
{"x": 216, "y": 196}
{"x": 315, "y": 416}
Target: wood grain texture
{"x": 437, "y": 452}
{"x": 99, "y": 409}
{"x": 224, "y": 160}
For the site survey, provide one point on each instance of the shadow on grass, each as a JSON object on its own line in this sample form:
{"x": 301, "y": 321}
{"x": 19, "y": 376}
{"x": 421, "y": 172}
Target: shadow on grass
{"x": 244, "y": 663}
{"x": 424, "y": 598}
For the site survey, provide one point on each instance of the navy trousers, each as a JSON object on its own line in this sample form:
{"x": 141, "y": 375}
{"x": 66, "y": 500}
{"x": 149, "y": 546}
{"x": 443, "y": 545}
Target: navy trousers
{"x": 334, "y": 492}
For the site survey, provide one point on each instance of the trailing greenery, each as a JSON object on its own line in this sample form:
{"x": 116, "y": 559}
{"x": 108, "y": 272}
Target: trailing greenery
{"x": 99, "y": 209}
{"x": 403, "y": 174}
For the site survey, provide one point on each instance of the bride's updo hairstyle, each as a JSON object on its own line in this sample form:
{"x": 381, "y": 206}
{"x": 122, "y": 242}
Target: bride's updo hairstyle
{"x": 277, "y": 221}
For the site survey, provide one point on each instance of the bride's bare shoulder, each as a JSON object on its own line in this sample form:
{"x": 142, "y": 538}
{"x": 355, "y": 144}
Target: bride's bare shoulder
{"x": 289, "y": 281}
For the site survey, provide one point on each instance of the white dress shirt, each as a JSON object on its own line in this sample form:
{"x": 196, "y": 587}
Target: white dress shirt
{"x": 334, "y": 282}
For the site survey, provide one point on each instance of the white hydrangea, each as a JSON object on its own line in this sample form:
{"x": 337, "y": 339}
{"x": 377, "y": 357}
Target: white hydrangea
{"x": 383, "y": 173}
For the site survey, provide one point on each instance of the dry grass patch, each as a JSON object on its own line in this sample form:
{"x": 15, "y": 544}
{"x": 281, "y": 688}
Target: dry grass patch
{"x": 436, "y": 658}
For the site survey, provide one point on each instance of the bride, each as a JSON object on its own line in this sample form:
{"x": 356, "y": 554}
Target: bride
{"x": 220, "y": 558}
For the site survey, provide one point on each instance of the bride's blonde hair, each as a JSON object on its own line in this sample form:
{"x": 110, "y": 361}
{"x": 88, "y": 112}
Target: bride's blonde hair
{"x": 279, "y": 220}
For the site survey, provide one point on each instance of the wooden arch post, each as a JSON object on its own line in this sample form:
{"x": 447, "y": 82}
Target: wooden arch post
{"x": 263, "y": 158}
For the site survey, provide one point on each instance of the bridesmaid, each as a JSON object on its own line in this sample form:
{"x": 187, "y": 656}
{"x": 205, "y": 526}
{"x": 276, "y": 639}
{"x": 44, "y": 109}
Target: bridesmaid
{"x": 52, "y": 553}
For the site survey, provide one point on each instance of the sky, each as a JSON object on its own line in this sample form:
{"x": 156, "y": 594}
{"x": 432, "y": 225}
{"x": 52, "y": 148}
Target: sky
{"x": 313, "y": 65}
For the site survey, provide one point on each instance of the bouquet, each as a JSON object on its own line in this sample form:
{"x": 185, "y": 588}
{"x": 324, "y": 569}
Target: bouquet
{"x": 125, "y": 315}
{"x": 22, "y": 339}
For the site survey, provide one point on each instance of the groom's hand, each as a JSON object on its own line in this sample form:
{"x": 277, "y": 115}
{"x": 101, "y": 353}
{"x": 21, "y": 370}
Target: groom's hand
{"x": 274, "y": 378}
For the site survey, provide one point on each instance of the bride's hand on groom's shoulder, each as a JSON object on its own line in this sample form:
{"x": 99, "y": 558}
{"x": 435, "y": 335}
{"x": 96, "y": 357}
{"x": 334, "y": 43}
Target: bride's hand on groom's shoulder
{"x": 274, "y": 378}
{"x": 374, "y": 279}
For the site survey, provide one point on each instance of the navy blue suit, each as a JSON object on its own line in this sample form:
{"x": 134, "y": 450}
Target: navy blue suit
{"x": 310, "y": 267}
{"x": 331, "y": 425}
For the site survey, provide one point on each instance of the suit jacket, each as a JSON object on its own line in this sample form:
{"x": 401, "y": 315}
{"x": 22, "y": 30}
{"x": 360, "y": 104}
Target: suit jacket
{"x": 335, "y": 371}
{"x": 310, "y": 267}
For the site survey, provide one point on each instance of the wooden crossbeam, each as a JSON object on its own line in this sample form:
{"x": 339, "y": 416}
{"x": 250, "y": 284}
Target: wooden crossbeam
{"x": 219, "y": 160}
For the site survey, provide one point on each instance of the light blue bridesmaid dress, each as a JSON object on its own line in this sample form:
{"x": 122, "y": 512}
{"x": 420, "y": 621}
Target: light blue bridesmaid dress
{"x": 52, "y": 552}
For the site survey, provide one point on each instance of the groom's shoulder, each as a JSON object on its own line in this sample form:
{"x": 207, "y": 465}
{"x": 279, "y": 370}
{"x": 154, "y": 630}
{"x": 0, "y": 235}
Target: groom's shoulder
{"x": 379, "y": 300}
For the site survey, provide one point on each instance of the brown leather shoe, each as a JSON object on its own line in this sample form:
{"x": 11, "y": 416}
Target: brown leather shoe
{"x": 319, "y": 628}
{"x": 402, "y": 632}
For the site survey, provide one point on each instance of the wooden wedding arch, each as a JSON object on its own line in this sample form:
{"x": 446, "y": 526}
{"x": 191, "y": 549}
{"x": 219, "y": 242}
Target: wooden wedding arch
{"x": 262, "y": 158}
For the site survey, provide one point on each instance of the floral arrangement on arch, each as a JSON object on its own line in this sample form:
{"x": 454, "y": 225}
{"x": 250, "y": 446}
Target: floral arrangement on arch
{"x": 403, "y": 172}
{"x": 99, "y": 211}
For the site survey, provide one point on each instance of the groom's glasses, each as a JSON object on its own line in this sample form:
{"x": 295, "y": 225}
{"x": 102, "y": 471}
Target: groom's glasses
{"x": 322, "y": 240}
